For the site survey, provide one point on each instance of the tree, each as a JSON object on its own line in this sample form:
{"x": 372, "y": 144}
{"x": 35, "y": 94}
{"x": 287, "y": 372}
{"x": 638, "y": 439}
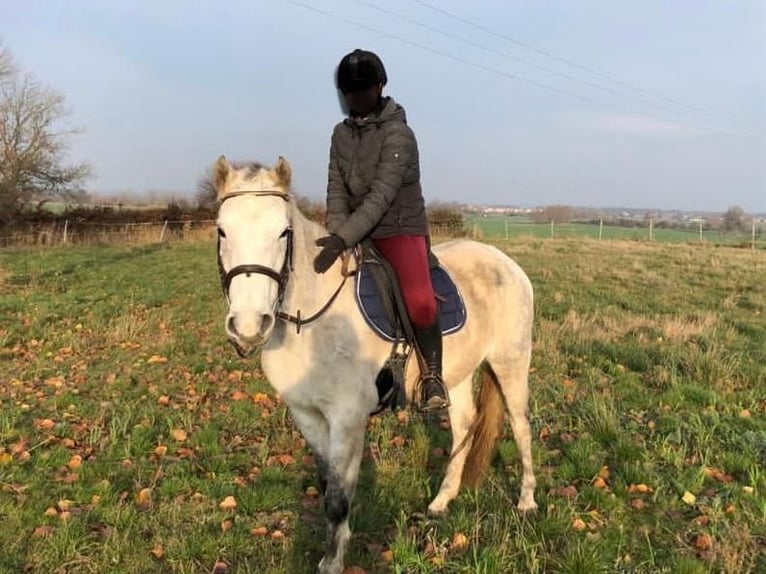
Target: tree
{"x": 734, "y": 218}
{"x": 6, "y": 64}
{"x": 206, "y": 195}
{"x": 33, "y": 146}
{"x": 555, "y": 213}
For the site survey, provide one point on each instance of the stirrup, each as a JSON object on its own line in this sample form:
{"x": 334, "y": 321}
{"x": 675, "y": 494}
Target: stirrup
{"x": 434, "y": 402}
{"x": 385, "y": 402}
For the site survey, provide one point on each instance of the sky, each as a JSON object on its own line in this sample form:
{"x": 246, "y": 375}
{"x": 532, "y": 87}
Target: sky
{"x": 599, "y": 103}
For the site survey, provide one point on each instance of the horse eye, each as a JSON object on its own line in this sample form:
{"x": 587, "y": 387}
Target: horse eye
{"x": 221, "y": 233}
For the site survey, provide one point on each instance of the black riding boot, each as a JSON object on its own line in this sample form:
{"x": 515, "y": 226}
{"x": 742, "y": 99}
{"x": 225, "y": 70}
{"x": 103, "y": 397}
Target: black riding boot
{"x": 433, "y": 392}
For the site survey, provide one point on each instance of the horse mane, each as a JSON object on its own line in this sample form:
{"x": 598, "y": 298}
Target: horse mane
{"x": 207, "y": 195}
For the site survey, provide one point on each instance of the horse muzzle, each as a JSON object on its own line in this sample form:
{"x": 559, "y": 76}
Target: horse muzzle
{"x": 243, "y": 352}
{"x": 248, "y": 332}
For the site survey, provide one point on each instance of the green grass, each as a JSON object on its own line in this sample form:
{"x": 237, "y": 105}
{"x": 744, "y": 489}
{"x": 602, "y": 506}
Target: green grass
{"x": 649, "y": 369}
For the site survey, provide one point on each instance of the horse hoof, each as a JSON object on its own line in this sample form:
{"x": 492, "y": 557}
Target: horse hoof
{"x": 528, "y": 511}
{"x": 417, "y": 518}
{"x": 323, "y": 569}
{"x": 436, "y": 513}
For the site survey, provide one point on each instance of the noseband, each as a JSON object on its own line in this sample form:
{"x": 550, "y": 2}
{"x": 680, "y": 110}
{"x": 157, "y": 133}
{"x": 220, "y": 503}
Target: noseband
{"x": 282, "y": 276}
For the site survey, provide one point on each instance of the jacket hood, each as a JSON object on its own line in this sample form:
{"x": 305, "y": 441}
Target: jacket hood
{"x": 391, "y": 112}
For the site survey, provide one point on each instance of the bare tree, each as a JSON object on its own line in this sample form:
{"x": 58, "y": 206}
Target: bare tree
{"x": 33, "y": 145}
{"x": 206, "y": 195}
{"x": 7, "y": 67}
{"x": 555, "y": 213}
{"x": 734, "y": 218}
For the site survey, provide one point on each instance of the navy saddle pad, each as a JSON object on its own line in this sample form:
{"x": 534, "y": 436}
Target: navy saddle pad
{"x": 450, "y": 303}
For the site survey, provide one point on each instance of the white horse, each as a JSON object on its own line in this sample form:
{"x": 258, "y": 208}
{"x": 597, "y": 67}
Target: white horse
{"x": 326, "y": 370}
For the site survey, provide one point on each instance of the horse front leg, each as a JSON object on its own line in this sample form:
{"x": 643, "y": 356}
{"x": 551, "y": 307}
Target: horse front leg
{"x": 342, "y": 468}
{"x": 316, "y": 430}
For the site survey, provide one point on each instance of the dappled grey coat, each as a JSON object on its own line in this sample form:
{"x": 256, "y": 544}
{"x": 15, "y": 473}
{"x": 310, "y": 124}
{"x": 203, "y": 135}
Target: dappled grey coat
{"x": 373, "y": 186}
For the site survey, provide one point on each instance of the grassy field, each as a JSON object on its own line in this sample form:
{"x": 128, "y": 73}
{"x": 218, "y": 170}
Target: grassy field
{"x": 494, "y": 227}
{"x": 132, "y": 439}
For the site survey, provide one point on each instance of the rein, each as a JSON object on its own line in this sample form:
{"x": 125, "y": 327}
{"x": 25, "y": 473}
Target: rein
{"x": 282, "y": 276}
{"x": 298, "y": 321}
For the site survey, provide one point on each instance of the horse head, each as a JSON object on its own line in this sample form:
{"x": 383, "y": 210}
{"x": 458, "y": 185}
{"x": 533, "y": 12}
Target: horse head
{"x": 254, "y": 247}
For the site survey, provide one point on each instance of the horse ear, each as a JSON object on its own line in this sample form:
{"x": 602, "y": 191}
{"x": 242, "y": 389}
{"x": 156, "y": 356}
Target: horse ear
{"x": 220, "y": 174}
{"x": 283, "y": 172}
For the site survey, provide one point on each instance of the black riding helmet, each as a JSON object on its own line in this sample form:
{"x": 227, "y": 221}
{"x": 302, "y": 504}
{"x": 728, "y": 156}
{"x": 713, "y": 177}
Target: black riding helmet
{"x": 360, "y": 70}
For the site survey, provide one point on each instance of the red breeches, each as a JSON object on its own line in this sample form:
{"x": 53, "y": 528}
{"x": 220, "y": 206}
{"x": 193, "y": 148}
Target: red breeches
{"x": 408, "y": 255}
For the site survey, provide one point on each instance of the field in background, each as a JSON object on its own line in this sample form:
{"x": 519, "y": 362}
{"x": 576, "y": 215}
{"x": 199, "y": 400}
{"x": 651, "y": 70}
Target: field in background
{"x": 499, "y": 227}
{"x": 489, "y": 228}
{"x": 57, "y": 234}
{"x": 126, "y": 423}
{"x": 152, "y": 223}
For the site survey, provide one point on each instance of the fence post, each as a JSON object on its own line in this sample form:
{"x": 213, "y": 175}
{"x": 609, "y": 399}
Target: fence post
{"x": 752, "y": 237}
{"x": 700, "y": 231}
{"x": 551, "y": 229}
{"x": 600, "y": 228}
{"x": 66, "y": 228}
{"x": 164, "y": 227}
{"x": 651, "y": 228}
{"x": 506, "y": 227}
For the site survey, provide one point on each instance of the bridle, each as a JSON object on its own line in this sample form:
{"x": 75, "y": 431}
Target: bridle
{"x": 281, "y": 277}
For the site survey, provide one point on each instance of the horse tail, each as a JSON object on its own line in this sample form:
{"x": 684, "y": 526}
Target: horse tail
{"x": 490, "y": 415}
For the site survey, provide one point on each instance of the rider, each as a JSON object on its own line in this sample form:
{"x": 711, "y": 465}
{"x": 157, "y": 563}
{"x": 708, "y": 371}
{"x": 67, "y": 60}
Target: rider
{"x": 373, "y": 191}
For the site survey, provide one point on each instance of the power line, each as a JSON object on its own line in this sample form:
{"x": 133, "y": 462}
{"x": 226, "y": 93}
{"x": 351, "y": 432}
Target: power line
{"x": 445, "y": 54}
{"x": 460, "y": 59}
{"x": 566, "y": 61}
{"x": 688, "y": 110}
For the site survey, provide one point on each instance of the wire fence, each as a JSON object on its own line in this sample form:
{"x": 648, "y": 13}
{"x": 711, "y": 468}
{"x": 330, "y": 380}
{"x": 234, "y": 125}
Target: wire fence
{"x": 753, "y": 236}
{"x": 87, "y": 232}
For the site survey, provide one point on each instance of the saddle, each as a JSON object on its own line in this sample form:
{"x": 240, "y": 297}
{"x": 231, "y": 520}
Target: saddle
{"x": 382, "y": 305}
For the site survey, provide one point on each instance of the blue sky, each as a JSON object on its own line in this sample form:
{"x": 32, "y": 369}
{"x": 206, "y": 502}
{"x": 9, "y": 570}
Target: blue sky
{"x": 659, "y": 104}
